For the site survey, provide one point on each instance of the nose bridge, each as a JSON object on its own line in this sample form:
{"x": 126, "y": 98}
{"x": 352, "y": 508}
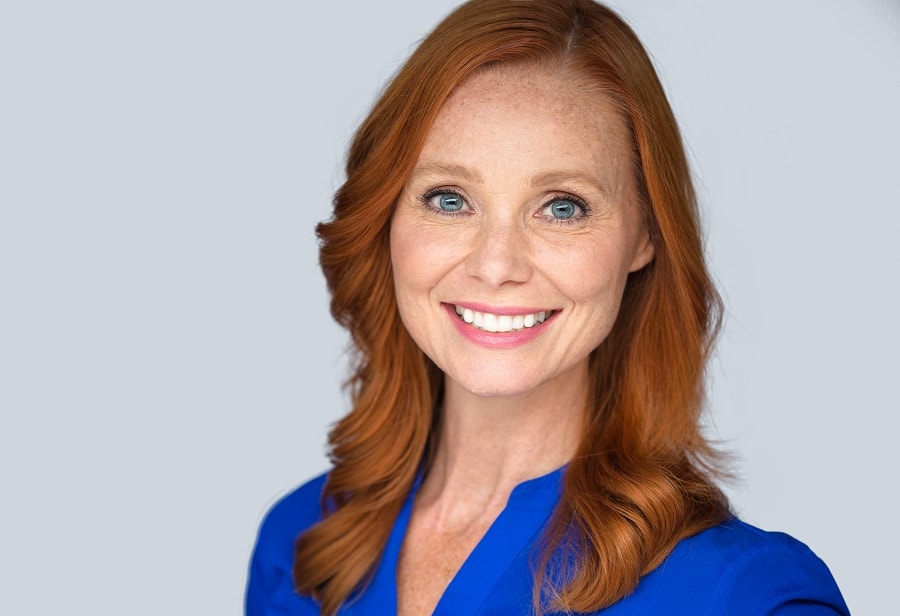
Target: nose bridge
{"x": 500, "y": 252}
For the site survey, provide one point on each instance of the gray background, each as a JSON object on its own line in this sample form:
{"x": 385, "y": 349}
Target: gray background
{"x": 167, "y": 364}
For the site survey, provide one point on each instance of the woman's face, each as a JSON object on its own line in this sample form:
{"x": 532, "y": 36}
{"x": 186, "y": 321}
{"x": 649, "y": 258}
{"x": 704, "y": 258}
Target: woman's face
{"x": 515, "y": 232}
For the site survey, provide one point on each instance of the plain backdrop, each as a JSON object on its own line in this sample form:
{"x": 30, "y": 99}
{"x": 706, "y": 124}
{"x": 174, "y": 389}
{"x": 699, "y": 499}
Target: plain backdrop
{"x": 168, "y": 367}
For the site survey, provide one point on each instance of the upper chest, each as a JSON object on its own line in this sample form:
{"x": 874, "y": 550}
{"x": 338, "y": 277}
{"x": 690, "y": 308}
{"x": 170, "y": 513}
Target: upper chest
{"x": 462, "y": 573}
{"x": 430, "y": 558}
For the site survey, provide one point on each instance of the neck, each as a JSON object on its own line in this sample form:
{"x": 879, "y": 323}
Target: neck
{"x": 487, "y": 446}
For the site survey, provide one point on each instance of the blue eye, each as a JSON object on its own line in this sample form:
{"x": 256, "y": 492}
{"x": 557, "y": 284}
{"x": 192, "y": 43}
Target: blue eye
{"x": 449, "y": 202}
{"x": 444, "y": 201}
{"x": 562, "y": 209}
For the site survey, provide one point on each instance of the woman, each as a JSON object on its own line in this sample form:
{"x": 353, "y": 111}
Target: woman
{"x": 516, "y": 253}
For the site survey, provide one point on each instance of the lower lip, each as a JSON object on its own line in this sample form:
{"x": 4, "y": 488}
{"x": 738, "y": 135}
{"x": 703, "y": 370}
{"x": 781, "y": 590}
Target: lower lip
{"x": 496, "y": 340}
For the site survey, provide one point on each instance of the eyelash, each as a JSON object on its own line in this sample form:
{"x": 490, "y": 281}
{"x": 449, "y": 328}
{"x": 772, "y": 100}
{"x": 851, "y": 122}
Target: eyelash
{"x": 431, "y": 194}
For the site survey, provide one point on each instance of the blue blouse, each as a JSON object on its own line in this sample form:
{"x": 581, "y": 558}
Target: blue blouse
{"x": 731, "y": 569}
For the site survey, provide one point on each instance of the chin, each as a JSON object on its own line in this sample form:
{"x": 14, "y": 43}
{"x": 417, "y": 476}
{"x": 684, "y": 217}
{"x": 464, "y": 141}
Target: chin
{"x": 494, "y": 392}
{"x": 497, "y": 386}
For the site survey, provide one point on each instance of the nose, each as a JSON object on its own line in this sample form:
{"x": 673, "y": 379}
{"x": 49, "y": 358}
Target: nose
{"x": 499, "y": 254}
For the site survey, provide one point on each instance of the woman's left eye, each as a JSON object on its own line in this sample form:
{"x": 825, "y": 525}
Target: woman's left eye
{"x": 563, "y": 209}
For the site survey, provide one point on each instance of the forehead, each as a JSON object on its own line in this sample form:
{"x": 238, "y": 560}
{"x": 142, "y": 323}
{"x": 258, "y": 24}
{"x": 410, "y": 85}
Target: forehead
{"x": 521, "y": 87}
{"x": 529, "y": 116}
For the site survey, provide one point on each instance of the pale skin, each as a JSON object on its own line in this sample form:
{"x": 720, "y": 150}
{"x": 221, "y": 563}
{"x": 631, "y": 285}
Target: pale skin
{"x": 523, "y": 198}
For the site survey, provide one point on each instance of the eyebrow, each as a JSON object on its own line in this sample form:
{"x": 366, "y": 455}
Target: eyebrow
{"x": 561, "y": 177}
{"x": 472, "y": 176}
{"x": 444, "y": 169}
{"x": 557, "y": 177}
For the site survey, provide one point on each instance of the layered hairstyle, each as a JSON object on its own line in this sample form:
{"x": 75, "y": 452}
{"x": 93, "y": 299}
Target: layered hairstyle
{"x": 642, "y": 477}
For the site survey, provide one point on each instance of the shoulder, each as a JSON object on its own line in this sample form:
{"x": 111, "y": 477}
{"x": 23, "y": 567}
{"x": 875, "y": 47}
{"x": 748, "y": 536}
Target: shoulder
{"x": 269, "y": 578}
{"x": 736, "y": 568}
{"x": 294, "y": 512}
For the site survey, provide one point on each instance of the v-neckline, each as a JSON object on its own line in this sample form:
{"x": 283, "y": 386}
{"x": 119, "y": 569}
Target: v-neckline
{"x": 515, "y": 528}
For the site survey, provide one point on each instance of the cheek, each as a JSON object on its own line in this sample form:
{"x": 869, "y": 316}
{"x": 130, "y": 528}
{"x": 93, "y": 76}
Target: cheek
{"x": 592, "y": 275}
{"x": 403, "y": 255}
{"x": 417, "y": 262}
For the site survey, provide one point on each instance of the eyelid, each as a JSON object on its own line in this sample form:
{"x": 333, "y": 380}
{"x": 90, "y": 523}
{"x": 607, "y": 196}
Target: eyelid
{"x": 565, "y": 196}
{"x": 443, "y": 190}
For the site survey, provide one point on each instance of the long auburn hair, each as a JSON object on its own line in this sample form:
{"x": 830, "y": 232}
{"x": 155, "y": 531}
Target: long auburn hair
{"x": 641, "y": 478}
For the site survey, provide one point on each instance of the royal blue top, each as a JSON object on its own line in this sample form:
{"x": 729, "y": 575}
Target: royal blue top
{"x": 731, "y": 569}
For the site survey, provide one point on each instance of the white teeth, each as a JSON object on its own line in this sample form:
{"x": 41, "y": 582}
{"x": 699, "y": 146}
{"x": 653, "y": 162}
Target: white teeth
{"x": 490, "y": 322}
{"x": 501, "y": 322}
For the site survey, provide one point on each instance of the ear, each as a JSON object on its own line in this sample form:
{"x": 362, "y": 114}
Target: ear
{"x": 644, "y": 251}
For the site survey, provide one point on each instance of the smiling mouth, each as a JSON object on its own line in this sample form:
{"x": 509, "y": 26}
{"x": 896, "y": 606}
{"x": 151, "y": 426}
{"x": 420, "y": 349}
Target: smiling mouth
{"x": 494, "y": 323}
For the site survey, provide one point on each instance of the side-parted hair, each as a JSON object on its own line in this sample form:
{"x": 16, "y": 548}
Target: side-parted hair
{"x": 641, "y": 478}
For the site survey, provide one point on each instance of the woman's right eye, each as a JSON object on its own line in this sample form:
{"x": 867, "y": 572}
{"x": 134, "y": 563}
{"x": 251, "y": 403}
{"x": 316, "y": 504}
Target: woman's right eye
{"x": 445, "y": 202}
